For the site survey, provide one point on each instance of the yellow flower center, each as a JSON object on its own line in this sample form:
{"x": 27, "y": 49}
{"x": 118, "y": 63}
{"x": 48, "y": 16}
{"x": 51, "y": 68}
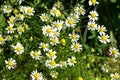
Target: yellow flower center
{"x": 54, "y": 40}
{"x": 44, "y": 17}
{"x": 80, "y": 78}
{"x": 63, "y": 41}
{"x": 75, "y": 17}
{"x": 101, "y": 29}
{"x": 1, "y": 39}
{"x": 52, "y": 63}
{"x": 93, "y": 1}
{"x": 93, "y": 15}
{"x": 63, "y": 63}
{"x": 48, "y": 30}
{"x": 74, "y": 36}
{"x": 19, "y": 48}
{"x": 12, "y": 20}
{"x": 114, "y": 51}
{"x": 52, "y": 54}
{"x": 55, "y": 11}
{"x": 9, "y": 37}
{"x": 15, "y": 11}
{"x": 72, "y": 61}
{"x": 57, "y": 25}
{"x": 36, "y": 75}
{"x": 80, "y": 10}
{"x": 19, "y": 16}
{"x": 92, "y": 25}
{"x": 8, "y": 8}
{"x": 44, "y": 46}
{"x": 116, "y": 76}
{"x": 29, "y": 10}
{"x": 36, "y": 54}
{"x": 104, "y": 38}
{"x": 21, "y": 29}
{"x": 55, "y": 33}
{"x": 10, "y": 28}
{"x": 70, "y": 21}
{"x": 10, "y": 63}
{"x": 76, "y": 46}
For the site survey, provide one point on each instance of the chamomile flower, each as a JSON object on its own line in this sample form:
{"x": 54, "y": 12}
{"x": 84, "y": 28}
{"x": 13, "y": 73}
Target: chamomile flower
{"x": 18, "y": 48}
{"x": 20, "y": 16}
{"x": 80, "y": 10}
{"x": 70, "y": 22}
{"x": 101, "y": 29}
{"x": 12, "y": 20}
{"x": 114, "y": 52}
{"x": 75, "y": 16}
{"x": 35, "y": 54}
{"x": 10, "y": 63}
{"x": 47, "y": 30}
{"x": 55, "y": 33}
{"x": 92, "y": 25}
{"x": 54, "y": 74}
{"x": 10, "y": 29}
{"x": 7, "y": 9}
{"x": 58, "y": 24}
{"x": 76, "y": 47}
{"x": 115, "y": 76}
{"x": 22, "y": 9}
{"x": 74, "y": 37}
{"x": 35, "y": 75}
{"x": 29, "y": 11}
{"x": 63, "y": 64}
{"x": 20, "y": 29}
{"x": 93, "y": 15}
{"x": 51, "y": 64}
{"x": 44, "y": 46}
{"x": 44, "y": 17}
{"x": 55, "y": 12}
{"x": 63, "y": 41}
{"x": 51, "y": 54}
{"x": 105, "y": 68}
{"x": 2, "y": 40}
{"x": 71, "y": 61}
{"x": 104, "y": 38}
{"x": 93, "y": 2}
{"x": 54, "y": 40}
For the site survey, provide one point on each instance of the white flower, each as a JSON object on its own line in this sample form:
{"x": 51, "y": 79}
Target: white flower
{"x": 44, "y": 17}
{"x": 20, "y": 16}
{"x": 93, "y": 15}
{"x": 7, "y": 9}
{"x": 76, "y": 47}
{"x": 55, "y": 33}
{"x": 10, "y": 63}
{"x": 92, "y": 25}
{"x": 58, "y": 24}
{"x": 47, "y": 30}
{"x": 55, "y": 12}
{"x": 22, "y": 9}
{"x": 74, "y": 37}
{"x": 18, "y": 48}
{"x": 113, "y": 51}
{"x": 54, "y": 74}
{"x": 75, "y": 16}
{"x": 70, "y": 22}
{"x": 104, "y": 38}
{"x": 44, "y": 46}
{"x": 71, "y": 61}
{"x": 12, "y": 20}
{"x": 2, "y": 40}
{"x": 10, "y": 29}
{"x": 93, "y": 2}
{"x": 105, "y": 68}
{"x": 54, "y": 40}
{"x": 35, "y": 54}
{"x": 114, "y": 76}
{"x": 79, "y": 10}
{"x": 20, "y": 29}
{"x": 51, "y": 54}
{"x": 101, "y": 29}
{"x": 29, "y": 11}
{"x": 63, "y": 64}
{"x": 35, "y": 75}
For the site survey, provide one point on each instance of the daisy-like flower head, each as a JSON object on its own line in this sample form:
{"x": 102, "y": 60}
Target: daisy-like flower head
{"x": 58, "y": 24}
{"x": 55, "y": 33}
{"x": 71, "y": 61}
{"x": 54, "y": 74}
{"x": 75, "y": 16}
{"x": 74, "y": 37}
{"x": 20, "y": 29}
{"x": 9, "y": 38}
{"x": 35, "y": 54}
{"x": 104, "y": 38}
{"x": 93, "y": 15}
{"x": 29, "y": 11}
{"x": 80, "y": 78}
{"x": 114, "y": 52}
{"x": 54, "y": 40}
{"x": 22, "y": 9}
{"x": 105, "y": 68}
{"x": 55, "y": 12}
{"x": 44, "y": 46}
{"x": 44, "y": 17}
{"x": 7, "y": 9}
{"x": 2, "y": 40}
{"x": 18, "y": 48}
{"x": 20, "y": 16}
{"x": 70, "y": 22}
{"x": 35, "y": 75}
{"x": 76, "y": 47}
{"x": 47, "y": 30}
{"x": 115, "y": 76}
{"x": 10, "y": 63}
{"x": 51, "y": 64}
{"x": 12, "y": 20}
{"x": 51, "y": 54}
{"x": 101, "y": 29}
{"x": 79, "y": 10}
{"x": 92, "y": 25}
{"x": 10, "y": 29}
{"x": 63, "y": 64}
{"x": 93, "y": 2}
{"x": 63, "y": 41}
